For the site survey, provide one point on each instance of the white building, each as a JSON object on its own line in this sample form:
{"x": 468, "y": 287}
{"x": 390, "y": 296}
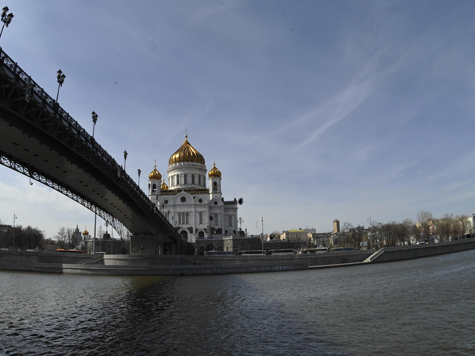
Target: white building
{"x": 196, "y": 211}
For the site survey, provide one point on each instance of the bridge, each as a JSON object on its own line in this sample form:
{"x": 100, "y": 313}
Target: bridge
{"x": 43, "y": 142}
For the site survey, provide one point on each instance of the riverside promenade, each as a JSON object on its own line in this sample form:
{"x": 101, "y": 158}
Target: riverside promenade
{"x": 153, "y": 265}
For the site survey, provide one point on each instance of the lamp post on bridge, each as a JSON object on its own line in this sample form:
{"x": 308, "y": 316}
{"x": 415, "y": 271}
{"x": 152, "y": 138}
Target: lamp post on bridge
{"x": 139, "y": 171}
{"x": 6, "y": 19}
{"x": 94, "y": 121}
{"x": 60, "y": 76}
{"x": 125, "y": 158}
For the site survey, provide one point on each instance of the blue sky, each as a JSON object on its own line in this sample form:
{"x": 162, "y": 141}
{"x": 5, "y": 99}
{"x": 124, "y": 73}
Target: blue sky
{"x": 312, "y": 110}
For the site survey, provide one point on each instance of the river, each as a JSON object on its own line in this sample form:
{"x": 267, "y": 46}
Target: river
{"x": 415, "y": 307}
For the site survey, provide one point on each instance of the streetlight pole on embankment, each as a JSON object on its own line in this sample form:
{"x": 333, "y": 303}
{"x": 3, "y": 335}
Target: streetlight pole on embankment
{"x": 94, "y": 121}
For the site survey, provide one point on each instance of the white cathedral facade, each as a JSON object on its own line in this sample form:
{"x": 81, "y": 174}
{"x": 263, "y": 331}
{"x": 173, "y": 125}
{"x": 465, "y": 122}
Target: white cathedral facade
{"x": 195, "y": 210}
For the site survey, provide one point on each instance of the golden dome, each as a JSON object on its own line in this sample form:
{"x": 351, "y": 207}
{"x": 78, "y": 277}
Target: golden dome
{"x": 164, "y": 186}
{"x": 155, "y": 174}
{"x": 85, "y": 232}
{"x": 214, "y": 172}
{"x": 186, "y": 153}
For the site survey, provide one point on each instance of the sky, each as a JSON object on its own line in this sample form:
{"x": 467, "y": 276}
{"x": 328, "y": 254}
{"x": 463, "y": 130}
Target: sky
{"x": 312, "y": 110}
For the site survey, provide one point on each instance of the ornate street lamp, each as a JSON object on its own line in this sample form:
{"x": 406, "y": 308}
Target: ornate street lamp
{"x": 139, "y": 171}
{"x": 94, "y": 121}
{"x": 60, "y": 76}
{"x": 6, "y": 19}
{"x": 125, "y": 158}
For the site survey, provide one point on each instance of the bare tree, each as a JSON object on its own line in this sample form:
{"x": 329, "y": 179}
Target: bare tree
{"x": 62, "y": 236}
{"x": 462, "y": 224}
{"x": 445, "y": 227}
{"x": 425, "y": 220}
{"x": 424, "y": 216}
{"x": 346, "y": 229}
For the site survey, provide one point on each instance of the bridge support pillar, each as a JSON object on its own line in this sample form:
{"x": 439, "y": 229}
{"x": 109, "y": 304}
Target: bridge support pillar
{"x": 145, "y": 245}
{"x": 151, "y": 245}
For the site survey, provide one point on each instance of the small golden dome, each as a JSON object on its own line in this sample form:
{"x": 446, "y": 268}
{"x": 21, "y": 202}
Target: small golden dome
{"x": 164, "y": 186}
{"x": 155, "y": 174}
{"x": 186, "y": 153}
{"x": 214, "y": 172}
{"x": 85, "y": 232}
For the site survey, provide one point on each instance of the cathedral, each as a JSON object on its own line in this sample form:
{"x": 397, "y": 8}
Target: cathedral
{"x": 195, "y": 210}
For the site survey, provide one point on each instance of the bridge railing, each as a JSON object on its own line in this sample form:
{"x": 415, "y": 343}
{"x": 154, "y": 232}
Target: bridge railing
{"x": 34, "y": 92}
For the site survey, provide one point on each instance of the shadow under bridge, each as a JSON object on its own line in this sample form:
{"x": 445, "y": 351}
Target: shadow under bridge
{"x": 40, "y": 140}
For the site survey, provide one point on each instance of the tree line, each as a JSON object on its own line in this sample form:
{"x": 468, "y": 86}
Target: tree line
{"x": 425, "y": 229}
{"x": 22, "y": 238}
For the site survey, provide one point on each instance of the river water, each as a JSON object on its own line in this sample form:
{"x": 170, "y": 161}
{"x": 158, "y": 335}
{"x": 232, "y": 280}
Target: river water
{"x": 416, "y": 307}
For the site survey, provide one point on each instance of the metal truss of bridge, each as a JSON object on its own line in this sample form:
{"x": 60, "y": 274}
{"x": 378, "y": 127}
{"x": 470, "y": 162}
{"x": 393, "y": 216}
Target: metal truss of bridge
{"x": 40, "y": 140}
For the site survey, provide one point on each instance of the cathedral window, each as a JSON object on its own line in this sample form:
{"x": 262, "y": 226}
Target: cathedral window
{"x": 183, "y": 218}
{"x": 192, "y": 179}
{"x": 154, "y": 188}
{"x": 200, "y": 217}
{"x": 185, "y": 180}
{"x": 215, "y": 186}
{"x": 177, "y": 179}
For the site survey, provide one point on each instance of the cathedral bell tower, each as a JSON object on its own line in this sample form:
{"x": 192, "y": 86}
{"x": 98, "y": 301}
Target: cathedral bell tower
{"x": 154, "y": 184}
{"x": 214, "y": 183}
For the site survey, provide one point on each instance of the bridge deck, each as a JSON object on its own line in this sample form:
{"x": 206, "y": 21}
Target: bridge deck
{"x": 40, "y": 136}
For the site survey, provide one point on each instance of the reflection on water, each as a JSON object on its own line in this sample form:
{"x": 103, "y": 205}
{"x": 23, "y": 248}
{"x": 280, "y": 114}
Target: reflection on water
{"x": 419, "y": 307}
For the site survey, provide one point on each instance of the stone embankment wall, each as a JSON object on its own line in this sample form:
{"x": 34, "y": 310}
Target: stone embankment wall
{"x": 26, "y": 260}
{"x": 418, "y": 251}
{"x": 201, "y": 265}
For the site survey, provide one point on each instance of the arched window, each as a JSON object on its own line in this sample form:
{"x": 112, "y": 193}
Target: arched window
{"x": 154, "y": 188}
{"x": 201, "y": 234}
{"x": 192, "y": 179}
{"x": 185, "y": 180}
{"x": 215, "y": 186}
{"x": 177, "y": 179}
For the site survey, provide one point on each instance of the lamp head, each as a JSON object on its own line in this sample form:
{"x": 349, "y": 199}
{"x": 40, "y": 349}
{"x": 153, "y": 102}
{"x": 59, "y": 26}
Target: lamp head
{"x": 9, "y": 19}
{"x": 4, "y": 11}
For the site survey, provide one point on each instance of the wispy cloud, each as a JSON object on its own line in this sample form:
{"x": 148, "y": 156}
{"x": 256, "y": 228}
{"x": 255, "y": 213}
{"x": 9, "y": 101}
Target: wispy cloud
{"x": 340, "y": 106}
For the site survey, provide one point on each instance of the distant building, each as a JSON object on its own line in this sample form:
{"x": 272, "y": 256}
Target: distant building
{"x": 77, "y": 237}
{"x": 336, "y": 226}
{"x": 4, "y": 228}
{"x": 297, "y": 234}
{"x": 470, "y": 229}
